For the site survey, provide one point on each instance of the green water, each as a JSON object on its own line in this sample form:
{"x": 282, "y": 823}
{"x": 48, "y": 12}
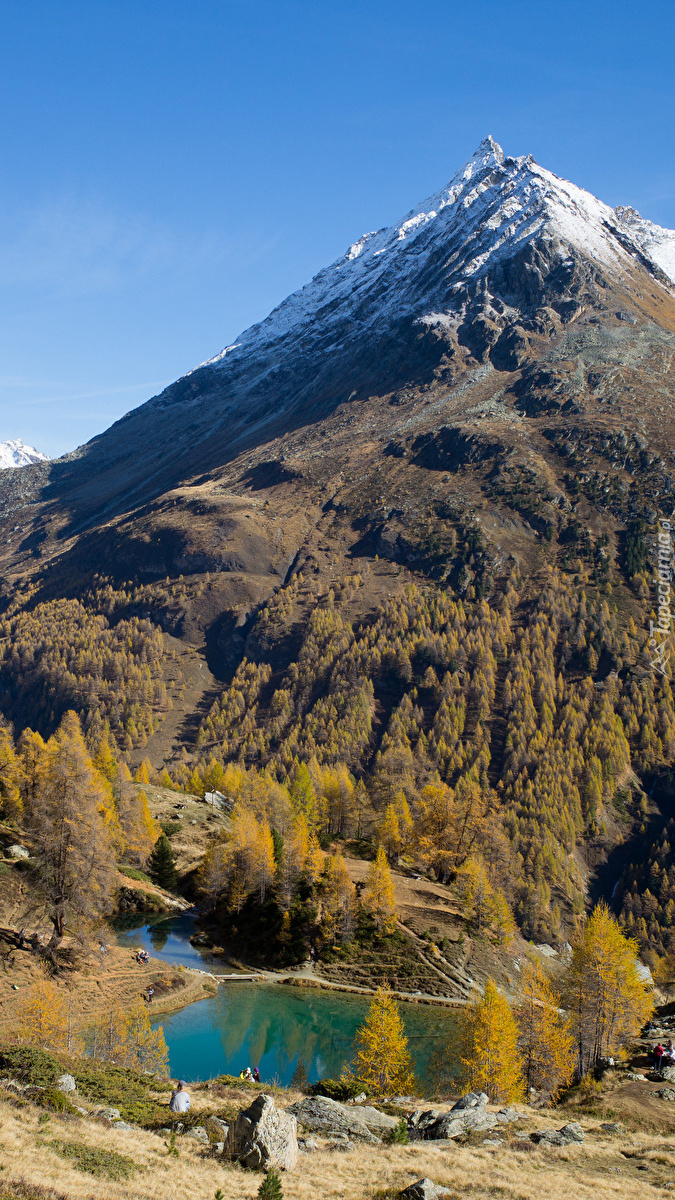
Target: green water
{"x": 272, "y": 1026}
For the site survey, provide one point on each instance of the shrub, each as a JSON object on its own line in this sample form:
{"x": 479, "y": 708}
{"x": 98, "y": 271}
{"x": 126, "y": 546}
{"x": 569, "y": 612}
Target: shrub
{"x": 123, "y": 1089}
{"x": 30, "y": 1065}
{"x": 339, "y": 1089}
{"x": 55, "y": 1100}
{"x": 91, "y": 1160}
{"x": 399, "y": 1135}
{"x": 20, "y": 1189}
{"x": 170, "y": 828}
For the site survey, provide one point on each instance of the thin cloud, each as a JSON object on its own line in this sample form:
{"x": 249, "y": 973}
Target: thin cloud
{"x": 76, "y": 245}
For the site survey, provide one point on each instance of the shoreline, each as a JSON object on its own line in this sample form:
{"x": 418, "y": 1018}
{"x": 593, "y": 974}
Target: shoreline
{"x": 315, "y": 982}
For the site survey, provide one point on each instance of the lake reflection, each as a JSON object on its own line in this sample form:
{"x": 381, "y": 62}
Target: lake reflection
{"x": 272, "y": 1026}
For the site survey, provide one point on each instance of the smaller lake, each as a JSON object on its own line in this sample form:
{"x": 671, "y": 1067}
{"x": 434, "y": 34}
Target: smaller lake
{"x": 272, "y": 1026}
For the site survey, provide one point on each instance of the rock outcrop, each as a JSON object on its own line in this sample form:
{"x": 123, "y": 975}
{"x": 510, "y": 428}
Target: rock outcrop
{"x": 468, "y": 1114}
{"x": 319, "y": 1114}
{"x": 263, "y": 1135}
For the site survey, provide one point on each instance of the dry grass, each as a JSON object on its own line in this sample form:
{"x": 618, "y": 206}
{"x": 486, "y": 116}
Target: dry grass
{"x": 605, "y": 1167}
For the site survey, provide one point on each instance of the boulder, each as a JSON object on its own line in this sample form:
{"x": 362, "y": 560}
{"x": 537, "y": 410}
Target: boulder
{"x": 612, "y": 1127}
{"x": 669, "y": 1074}
{"x": 471, "y": 1100}
{"x": 263, "y": 1135}
{"x": 307, "y": 1145}
{"x": 122, "y": 1125}
{"x": 109, "y": 1114}
{"x": 549, "y": 1137}
{"x": 320, "y": 1114}
{"x": 424, "y": 1189}
{"x": 507, "y": 1116}
{"x": 423, "y": 1118}
{"x": 573, "y": 1132}
{"x": 17, "y": 852}
{"x": 65, "y": 1083}
{"x": 665, "y": 1094}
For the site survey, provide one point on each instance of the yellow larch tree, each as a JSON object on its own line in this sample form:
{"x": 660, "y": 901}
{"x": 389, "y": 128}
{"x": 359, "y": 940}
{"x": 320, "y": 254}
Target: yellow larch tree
{"x": 491, "y": 1059}
{"x": 142, "y": 772}
{"x": 33, "y": 754}
{"x": 607, "y": 1000}
{"x": 381, "y": 1056}
{"x": 139, "y": 829}
{"x": 484, "y": 905}
{"x": 449, "y": 822}
{"x": 123, "y": 1035}
{"x": 378, "y": 897}
{"x": 395, "y": 828}
{"x": 70, "y": 825}
{"x": 338, "y": 909}
{"x": 545, "y": 1039}
{"x": 105, "y": 757}
{"x": 11, "y": 778}
{"x": 45, "y": 1019}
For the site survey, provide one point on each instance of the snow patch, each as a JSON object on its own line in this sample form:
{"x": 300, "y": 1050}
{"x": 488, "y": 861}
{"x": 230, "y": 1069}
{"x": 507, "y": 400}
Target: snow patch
{"x": 15, "y": 453}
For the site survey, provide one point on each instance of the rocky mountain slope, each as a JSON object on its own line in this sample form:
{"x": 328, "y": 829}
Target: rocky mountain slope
{"x": 407, "y": 523}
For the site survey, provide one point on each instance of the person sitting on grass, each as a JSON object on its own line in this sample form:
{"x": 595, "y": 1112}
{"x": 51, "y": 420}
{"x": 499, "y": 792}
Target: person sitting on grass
{"x": 180, "y": 1100}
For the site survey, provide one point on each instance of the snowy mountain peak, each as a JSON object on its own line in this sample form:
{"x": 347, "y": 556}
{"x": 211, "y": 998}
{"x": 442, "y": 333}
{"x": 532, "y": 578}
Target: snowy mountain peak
{"x": 492, "y": 208}
{"x": 16, "y": 453}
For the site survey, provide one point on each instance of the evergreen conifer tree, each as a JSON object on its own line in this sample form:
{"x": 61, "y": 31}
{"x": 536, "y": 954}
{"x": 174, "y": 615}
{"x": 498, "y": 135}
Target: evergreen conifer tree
{"x": 270, "y": 1188}
{"x": 162, "y": 864}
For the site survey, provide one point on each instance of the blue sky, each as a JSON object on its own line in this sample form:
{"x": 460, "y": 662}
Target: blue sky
{"x": 171, "y": 170}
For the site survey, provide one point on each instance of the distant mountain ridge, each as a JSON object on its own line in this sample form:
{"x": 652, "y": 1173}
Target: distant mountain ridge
{"x": 15, "y": 453}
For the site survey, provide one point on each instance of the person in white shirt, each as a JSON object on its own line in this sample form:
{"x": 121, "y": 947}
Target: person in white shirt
{"x": 180, "y": 1100}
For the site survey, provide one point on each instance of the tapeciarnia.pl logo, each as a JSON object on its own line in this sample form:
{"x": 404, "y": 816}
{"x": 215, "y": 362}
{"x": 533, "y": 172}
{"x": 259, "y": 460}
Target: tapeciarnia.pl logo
{"x": 659, "y": 632}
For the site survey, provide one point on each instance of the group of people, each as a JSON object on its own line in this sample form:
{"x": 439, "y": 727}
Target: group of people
{"x": 252, "y": 1075}
{"x": 142, "y": 957}
{"x": 663, "y": 1056}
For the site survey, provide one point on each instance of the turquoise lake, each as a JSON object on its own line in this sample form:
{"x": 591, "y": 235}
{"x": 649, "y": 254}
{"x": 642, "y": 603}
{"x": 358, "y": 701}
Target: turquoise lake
{"x": 271, "y": 1026}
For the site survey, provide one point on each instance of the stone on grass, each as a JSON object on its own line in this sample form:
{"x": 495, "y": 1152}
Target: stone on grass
{"x": 611, "y": 1127}
{"x": 65, "y": 1083}
{"x": 109, "y": 1114}
{"x": 263, "y": 1135}
{"x": 17, "y": 852}
{"x": 549, "y": 1137}
{"x": 122, "y": 1125}
{"x": 635, "y": 1077}
{"x": 665, "y": 1094}
{"x": 424, "y": 1189}
{"x": 669, "y": 1074}
{"x": 470, "y": 1100}
{"x": 320, "y": 1114}
{"x": 573, "y": 1132}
